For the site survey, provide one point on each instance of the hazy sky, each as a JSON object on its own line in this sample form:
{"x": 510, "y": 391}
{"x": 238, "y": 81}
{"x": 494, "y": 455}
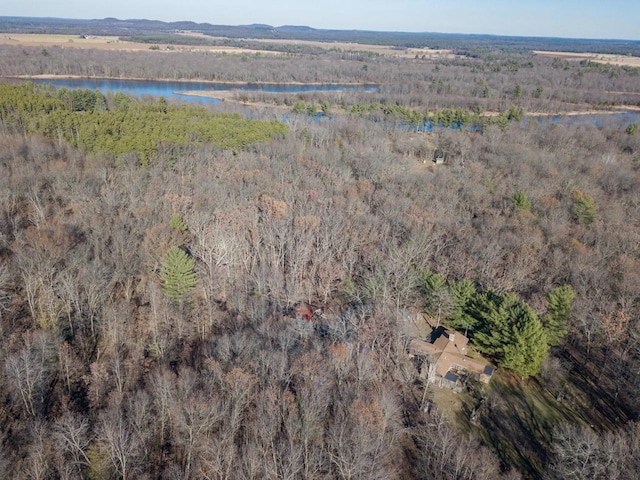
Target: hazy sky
{"x": 559, "y": 18}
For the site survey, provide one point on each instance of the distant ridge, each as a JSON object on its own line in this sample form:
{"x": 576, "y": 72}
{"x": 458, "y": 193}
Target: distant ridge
{"x": 295, "y": 29}
{"x": 258, "y": 25}
{"x": 464, "y": 44}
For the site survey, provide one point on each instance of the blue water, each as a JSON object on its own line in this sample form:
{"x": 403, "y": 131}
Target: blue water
{"x": 171, "y": 90}
{"x": 621, "y": 118}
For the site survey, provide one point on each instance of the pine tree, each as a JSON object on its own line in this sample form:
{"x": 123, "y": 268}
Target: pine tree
{"x": 520, "y": 201}
{"x": 438, "y": 297}
{"x": 463, "y": 293}
{"x": 517, "y": 92}
{"x": 176, "y": 222}
{"x": 510, "y": 331}
{"x": 494, "y": 315}
{"x": 525, "y": 355}
{"x": 559, "y": 307}
{"x": 177, "y": 274}
{"x": 432, "y": 281}
{"x": 584, "y": 207}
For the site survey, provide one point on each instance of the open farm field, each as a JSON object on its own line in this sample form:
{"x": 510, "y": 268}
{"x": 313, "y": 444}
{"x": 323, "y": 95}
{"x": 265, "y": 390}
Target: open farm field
{"x": 621, "y": 60}
{"x": 75, "y": 41}
{"x": 112, "y": 43}
{"x": 400, "y": 52}
{"x": 115, "y": 43}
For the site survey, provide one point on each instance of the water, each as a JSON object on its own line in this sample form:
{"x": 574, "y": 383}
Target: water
{"x": 620, "y": 118}
{"x": 173, "y": 90}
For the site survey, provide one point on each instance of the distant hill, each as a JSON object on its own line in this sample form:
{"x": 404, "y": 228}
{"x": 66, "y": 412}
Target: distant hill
{"x": 466, "y": 44}
{"x": 259, "y": 25}
{"x": 295, "y": 29}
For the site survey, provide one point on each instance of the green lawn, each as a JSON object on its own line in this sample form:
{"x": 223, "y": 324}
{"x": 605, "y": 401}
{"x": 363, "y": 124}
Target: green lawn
{"x": 517, "y": 419}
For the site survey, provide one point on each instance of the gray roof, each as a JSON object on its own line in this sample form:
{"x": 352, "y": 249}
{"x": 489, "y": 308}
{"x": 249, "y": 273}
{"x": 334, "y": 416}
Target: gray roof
{"x": 452, "y": 377}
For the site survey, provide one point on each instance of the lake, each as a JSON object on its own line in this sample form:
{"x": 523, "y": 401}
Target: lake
{"x": 174, "y": 89}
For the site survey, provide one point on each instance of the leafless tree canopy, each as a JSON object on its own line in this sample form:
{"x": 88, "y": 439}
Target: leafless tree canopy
{"x": 102, "y": 375}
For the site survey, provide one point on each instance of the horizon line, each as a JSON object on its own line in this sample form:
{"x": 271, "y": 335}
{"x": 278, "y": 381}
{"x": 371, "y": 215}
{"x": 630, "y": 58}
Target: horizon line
{"x": 266, "y": 25}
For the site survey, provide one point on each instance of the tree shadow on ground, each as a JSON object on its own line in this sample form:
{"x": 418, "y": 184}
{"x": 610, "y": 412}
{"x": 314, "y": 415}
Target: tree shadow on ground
{"x": 517, "y": 419}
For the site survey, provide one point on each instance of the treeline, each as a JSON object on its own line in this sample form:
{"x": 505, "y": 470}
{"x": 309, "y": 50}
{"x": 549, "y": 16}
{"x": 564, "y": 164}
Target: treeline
{"x": 404, "y": 117}
{"x": 149, "y": 316}
{"x": 84, "y": 119}
{"x": 111, "y": 370}
{"x": 493, "y": 83}
{"x": 106, "y": 373}
{"x": 501, "y": 326}
{"x": 468, "y": 44}
{"x": 170, "y": 39}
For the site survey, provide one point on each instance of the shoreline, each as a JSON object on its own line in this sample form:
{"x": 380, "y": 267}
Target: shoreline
{"x": 49, "y": 76}
{"x": 228, "y": 94}
{"x": 613, "y": 110}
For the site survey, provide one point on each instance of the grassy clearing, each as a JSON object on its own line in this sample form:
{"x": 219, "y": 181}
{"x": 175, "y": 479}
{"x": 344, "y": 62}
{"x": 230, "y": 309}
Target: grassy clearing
{"x": 449, "y": 402}
{"x": 517, "y": 419}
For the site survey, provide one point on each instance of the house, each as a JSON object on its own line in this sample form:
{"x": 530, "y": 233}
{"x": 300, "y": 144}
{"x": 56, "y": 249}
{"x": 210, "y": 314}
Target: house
{"x": 444, "y": 359}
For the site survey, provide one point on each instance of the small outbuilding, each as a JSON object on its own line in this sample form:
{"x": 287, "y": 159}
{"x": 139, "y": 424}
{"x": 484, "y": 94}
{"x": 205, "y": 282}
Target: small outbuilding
{"x": 439, "y": 156}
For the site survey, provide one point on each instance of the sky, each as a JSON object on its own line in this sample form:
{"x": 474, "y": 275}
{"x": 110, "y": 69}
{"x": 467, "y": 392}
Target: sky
{"x": 616, "y": 19}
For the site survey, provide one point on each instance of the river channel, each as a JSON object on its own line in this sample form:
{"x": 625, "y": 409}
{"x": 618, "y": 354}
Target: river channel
{"x": 177, "y": 89}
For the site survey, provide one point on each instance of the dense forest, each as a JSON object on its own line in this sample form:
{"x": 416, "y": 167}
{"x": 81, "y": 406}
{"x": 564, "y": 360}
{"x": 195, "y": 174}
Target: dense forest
{"x": 220, "y": 292}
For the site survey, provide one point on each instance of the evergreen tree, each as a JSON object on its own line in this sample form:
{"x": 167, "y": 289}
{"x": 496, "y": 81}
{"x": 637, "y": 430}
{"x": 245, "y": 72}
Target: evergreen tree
{"x": 528, "y": 348}
{"x": 463, "y": 294}
{"x": 559, "y": 307}
{"x": 177, "y": 223}
{"x": 494, "y": 315}
{"x": 177, "y": 274}
{"x": 520, "y": 201}
{"x": 438, "y": 297}
{"x": 517, "y": 92}
{"x": 510, "y": 331}
{"x": 432, "y": 281}
{"x": 584, "y": 207}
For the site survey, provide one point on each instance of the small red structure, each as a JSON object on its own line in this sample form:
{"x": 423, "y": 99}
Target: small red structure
{"x": 304, "y": 311}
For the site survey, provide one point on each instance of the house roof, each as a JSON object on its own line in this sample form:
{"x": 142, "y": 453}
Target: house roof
{"x": 448, "y": 350}
{"x": 452, "y": 377}
{"x": 449, "y": 360}
{"x": 420, "y": 347}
